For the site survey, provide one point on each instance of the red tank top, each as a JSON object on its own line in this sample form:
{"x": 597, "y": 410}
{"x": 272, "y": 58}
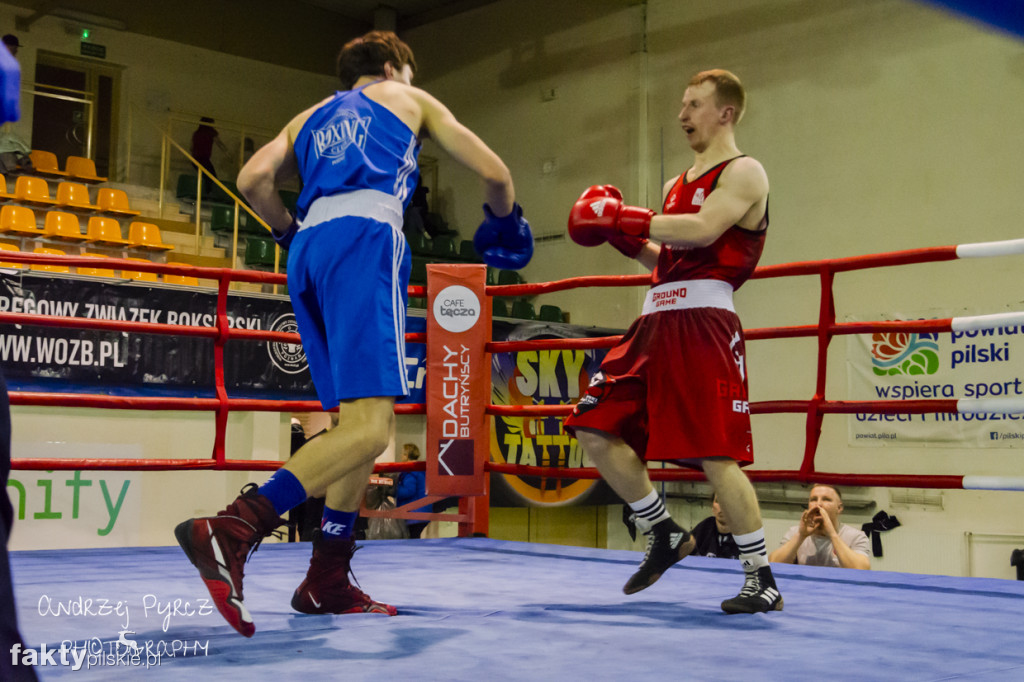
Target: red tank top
{"x": 731, "y": 258}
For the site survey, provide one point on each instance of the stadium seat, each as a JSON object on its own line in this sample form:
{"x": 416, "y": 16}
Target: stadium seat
{"x": 75, "y": 196}
{"x": 419, "y": 271}
{"x": 115, "y": 202}
{"x": 139, "y": 275}
{"x": 61, "y": 225}
{"x": 506, "y": 277}
{"x": 20, "y": 220}
{"x": 95, "y": 272}
{"x": 146, "y": 236}
{"x": 467, "y": 252}
{"x": 523, "y": 310}
{"x": 418, "y": 243}
{"x": 32, "y": 190}
{"x": 45, "y": 163}
{"x": 8, "y": 264}
{"x": 49, "y": 268}
{"x": 443, "y": 247}
{"x": 83, "y": 169}
{"x": 260, "y": 252}
{"x": 500, "y": 308}
{"x": 104, "y": 231}
{"x": 185, "y": 280}
{"x": 549, "y": 313}
{"x": 4, "y": 194}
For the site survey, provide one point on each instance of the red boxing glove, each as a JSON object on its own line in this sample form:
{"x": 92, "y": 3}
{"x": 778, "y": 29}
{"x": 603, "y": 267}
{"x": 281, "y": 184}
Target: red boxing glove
{"x": 628, "y": 245}
{"x": 599, "y": 214}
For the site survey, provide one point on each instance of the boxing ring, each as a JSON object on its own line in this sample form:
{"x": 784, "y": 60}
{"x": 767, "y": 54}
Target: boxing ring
{"x": 470, "y": 606}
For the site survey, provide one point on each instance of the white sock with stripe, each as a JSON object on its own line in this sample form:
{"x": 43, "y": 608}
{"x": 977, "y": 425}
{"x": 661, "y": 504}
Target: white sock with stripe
{"x": 650, "y": 510}
{"x": 753, "y": 552}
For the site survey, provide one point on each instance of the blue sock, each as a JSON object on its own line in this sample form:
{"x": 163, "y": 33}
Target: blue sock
{"x": 284, "y": 491}
{"x": 338, "y": 525}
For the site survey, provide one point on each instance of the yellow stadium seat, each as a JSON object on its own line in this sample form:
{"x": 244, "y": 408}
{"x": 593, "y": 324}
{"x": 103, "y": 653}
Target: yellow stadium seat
{"x": 49, "y": 268}
{"x": 95, "y": 272}
{"x": 61, "y": 225}
{"x": 4, "y": 194}
{"x": 19, "y": 220}
{"x": 8, "y": 264}
{"x": 75, "y": 196}
{"x": 146, "y": 236}
{"x": 45, "y": 163}
{"x": 138, "y": 275}
{"x": 184, "y": 280}
{"x": 30, "y": 190}
{"x": 114, "y": 201}
{"x": 104, "y": 231}
{"x": 83, "y": 169}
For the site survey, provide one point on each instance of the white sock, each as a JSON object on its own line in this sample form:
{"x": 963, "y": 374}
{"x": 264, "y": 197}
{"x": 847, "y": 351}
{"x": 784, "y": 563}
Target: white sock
{"x": 650, "y": 510}
{"x": 753, "y": 552}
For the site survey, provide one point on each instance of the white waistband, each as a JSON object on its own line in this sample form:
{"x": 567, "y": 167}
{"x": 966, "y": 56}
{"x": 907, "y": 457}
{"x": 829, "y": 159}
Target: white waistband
{"x": 697, "y": 293}
{"x": 362, "y": 203}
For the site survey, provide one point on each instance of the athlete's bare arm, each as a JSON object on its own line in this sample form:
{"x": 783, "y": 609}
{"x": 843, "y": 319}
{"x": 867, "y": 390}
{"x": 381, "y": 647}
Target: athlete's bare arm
{"x": 270, "y": 167}
{"x": 739, "y": 199}
{"x": 469, "y": 150}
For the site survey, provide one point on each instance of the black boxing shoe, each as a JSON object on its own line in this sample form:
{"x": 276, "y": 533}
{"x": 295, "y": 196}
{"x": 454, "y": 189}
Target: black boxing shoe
{"x": 667, "y": 544}
{"x": 759, "y": 594}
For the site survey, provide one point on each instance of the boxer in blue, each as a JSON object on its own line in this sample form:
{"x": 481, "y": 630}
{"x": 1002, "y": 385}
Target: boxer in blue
{"x": 348, "y": 273}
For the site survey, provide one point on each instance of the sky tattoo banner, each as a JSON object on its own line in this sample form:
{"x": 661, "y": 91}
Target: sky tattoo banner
{"x": 542, "y": 377}
{"x": 978, "y": 364}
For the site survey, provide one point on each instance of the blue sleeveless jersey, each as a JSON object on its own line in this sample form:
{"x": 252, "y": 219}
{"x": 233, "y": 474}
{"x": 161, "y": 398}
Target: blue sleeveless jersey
{"x": 353, "y": 143}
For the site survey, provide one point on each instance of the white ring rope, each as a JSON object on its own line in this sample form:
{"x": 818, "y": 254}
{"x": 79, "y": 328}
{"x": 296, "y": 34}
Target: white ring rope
{"x": 989, "y": 249}
{"x": 990, "y": 406}
{"x": 975, "y": 322}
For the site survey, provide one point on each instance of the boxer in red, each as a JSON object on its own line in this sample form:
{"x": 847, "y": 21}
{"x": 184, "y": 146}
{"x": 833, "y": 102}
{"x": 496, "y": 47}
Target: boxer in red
{"x": 675, "y": 388}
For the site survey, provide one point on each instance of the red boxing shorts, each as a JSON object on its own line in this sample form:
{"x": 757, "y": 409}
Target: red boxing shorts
{"x": 675, "y": 387}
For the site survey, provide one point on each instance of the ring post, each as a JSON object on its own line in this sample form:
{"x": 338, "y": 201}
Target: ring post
{"x": 458, "y": 389}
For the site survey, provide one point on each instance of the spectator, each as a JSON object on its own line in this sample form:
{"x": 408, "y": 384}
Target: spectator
{"x": 713, "y": 535}
{"x": 819, "y": 539}
{"x": 203, "y": 140}
{"x": 411, "y": 486}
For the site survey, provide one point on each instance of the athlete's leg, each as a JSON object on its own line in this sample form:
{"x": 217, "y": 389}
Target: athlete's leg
{"x": 361, "y": 434}
{"x": 626, "y": 473}
{"x": 738, "y": 500}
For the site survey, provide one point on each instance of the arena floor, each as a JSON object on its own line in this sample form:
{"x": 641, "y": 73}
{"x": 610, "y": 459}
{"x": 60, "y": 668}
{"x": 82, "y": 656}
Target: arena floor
{"x": 479, "y": 609}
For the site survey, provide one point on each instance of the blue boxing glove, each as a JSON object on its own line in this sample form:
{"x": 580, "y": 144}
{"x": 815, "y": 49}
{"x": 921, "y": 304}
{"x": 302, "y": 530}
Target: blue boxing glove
{"x": 505, "y": 243}
{"x": 10, "y": 87}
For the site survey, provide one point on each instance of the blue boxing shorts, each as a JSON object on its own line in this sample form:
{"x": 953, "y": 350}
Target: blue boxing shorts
{"x": 348, "y": 280}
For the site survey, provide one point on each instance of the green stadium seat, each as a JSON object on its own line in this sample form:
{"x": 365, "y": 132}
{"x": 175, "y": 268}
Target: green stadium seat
{"x": 186, "y": 187}
{"x": 523, "y": 309}
{"x": 509, "y": 277}
{"x": 549, "y": 313}
{"x": 492, "y": 276}
{"x": 444, "y": 247}
{"x": 500, "y": 308}
{"x": 467, "y": 252}
{"x": 260, "y": 252}
{"x": 419, "y": 271}
{"x": 418, "y": 243}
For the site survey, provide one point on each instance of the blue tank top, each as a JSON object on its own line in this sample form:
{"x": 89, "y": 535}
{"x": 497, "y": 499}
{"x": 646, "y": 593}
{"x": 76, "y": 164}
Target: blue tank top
{"x": 353, "y": 143}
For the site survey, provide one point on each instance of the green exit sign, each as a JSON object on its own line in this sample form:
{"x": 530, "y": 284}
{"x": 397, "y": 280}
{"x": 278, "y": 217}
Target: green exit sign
{"x": 94, "y": 50}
